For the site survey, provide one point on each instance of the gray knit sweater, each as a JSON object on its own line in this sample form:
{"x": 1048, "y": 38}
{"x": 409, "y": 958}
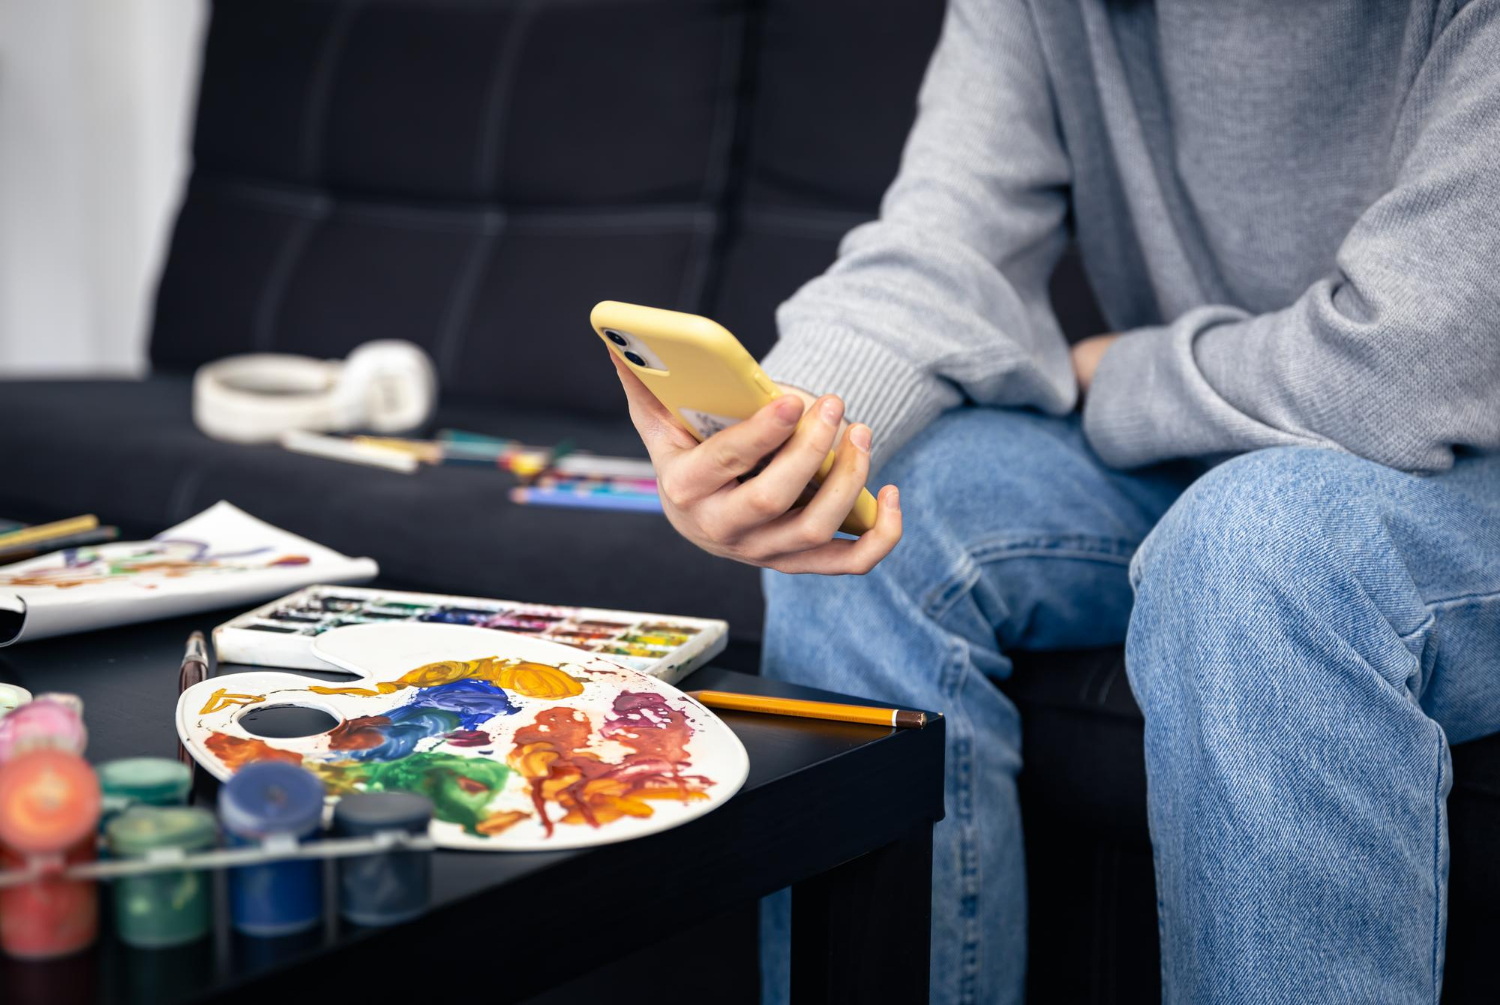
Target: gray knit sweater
{"x": 1291, "y": 210}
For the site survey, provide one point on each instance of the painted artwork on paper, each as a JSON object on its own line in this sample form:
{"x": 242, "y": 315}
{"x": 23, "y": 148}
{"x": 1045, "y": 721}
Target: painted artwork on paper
{"x": 521, "y": 743}
{"x": 220, "y": 557}
{"x": 145, "y": 564}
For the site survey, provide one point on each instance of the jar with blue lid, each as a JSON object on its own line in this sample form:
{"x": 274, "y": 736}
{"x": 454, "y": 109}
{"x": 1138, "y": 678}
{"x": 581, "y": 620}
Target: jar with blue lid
{"x": 272, "y": 803}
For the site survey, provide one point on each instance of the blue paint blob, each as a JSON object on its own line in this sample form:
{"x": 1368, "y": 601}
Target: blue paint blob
{"x": 475, "y": 701}
{"x": 436, "y": 711}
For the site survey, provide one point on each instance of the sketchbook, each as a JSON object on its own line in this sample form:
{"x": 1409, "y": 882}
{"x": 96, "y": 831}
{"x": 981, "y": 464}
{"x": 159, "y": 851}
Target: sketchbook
{"x": 283, "y": 632}
{"x": 522, "y": 744}
{"x": 221, "y": 557}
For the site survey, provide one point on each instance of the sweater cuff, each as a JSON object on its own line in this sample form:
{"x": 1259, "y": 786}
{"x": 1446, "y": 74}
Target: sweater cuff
{"x": 1149, "y": 402}
{"x": 879, "y": 388}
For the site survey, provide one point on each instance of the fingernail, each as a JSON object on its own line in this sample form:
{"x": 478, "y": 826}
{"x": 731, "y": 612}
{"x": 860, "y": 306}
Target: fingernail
{"x": 788, "y": 410}
{"x": 860, "y": 437}
{"x": 833, "y": 411}
{"x": 893, "y": 498}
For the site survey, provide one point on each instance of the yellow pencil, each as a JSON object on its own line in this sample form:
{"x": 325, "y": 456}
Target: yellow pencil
{"x": 423, "y": 450}
{"x": 47, "y": 531}
{"x": 810, "y": 709}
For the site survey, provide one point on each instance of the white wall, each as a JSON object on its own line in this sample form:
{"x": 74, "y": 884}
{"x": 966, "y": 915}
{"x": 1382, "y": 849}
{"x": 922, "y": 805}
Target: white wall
{"x": 96, "y": 100}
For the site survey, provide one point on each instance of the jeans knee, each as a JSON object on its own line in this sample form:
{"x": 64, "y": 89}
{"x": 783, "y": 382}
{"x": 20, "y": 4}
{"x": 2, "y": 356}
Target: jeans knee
{"x": 1259, "y": 520}
{"x": 1268, "y": 550}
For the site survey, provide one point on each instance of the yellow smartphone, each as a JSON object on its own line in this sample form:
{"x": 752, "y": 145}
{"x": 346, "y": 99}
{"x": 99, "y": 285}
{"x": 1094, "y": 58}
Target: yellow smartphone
{"x": 702, "y": 374}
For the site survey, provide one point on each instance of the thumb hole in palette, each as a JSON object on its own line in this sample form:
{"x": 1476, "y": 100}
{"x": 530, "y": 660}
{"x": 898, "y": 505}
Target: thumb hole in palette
{"x": 286, "y": 721}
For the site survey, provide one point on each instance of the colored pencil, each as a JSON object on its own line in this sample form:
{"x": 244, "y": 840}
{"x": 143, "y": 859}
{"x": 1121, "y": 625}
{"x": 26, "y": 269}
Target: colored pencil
{"x": 423, "y": 450}
{"x": 605, "y": 467}
{"x": 487, "y": 453}
{"x": 591, "y": 488}
{"x": 634, "y": 502}
{"x": 99, "y": 535}
{"x": 809, "y": 709}
{"x": 45, "y": 531}
{"x": 529, "y": 465}
{"x": 468, "y": 460}
{"x": 463, "y": 436}
{"x": 644, "y": 486}
{"x": 335, "y": 448}
{"x": 194, "y": 669}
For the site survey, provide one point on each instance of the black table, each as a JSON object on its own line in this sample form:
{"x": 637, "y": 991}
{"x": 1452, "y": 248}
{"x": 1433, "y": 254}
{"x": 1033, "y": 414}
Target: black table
{"x": 841, "y": 812}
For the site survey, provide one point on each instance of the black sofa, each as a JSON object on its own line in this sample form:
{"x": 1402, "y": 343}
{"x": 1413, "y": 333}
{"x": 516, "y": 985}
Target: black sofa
{"x": 473, "y": 176}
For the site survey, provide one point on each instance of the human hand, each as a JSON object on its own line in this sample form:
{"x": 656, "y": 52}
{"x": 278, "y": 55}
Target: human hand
{"x": 1086, "y": 356}
{"x": 754, "y": 521}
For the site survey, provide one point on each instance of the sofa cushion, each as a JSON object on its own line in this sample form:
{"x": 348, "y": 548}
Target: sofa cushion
{"x": 835, "y": 86}
{"x": 472, "y": 177}
{"x": 475, "y": 176}
{"x": 127, "y": 450}
{"x": 464, "y": 102}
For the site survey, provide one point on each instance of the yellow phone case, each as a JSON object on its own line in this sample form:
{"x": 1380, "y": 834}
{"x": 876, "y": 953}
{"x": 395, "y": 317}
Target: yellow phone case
{"x": 710, "y": 382}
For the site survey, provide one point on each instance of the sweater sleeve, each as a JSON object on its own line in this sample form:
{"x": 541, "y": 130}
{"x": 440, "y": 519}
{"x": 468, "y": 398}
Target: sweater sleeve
{"x": 1395, "y": 354}
{"x": 944, "y": 297}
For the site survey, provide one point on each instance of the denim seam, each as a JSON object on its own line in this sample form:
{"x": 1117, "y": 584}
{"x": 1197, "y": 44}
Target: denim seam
{"x": 1446, "y": 604}
{"x": 968, "y": 849}
{"x": 943, "y": 597}
{"x": 1071, "y": 547}
{"x": 1463, "y": 599}
{"x": 1438, "y": 883}
{"x": 1064, "y": 545}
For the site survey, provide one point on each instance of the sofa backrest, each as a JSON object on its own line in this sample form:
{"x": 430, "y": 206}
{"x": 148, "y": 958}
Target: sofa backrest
{"x": 473, "y": 176}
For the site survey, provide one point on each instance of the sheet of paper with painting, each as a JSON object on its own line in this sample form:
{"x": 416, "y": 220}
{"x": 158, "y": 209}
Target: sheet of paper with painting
{"x": 220, "y": 557}
{"x": 521, "y": 744}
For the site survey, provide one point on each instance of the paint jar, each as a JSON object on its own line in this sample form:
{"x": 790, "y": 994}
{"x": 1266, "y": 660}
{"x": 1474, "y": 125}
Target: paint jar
{"x": 389, "y": 888}
{"x": 49, "y": 808}
{"x": 12, "y": 696}
{"x": 162, "y": 909}
{"x": 49, "y": 721}
{"x": 148, "y": 781}
{"x": 273, "y": 803}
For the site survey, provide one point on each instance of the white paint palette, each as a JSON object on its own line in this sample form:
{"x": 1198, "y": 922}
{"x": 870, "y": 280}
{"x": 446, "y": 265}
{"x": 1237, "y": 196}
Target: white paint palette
{"x": 521, "y": 744}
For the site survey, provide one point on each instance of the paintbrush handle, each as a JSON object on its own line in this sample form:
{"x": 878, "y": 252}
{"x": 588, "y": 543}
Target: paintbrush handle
{"x": 194, "y": 669}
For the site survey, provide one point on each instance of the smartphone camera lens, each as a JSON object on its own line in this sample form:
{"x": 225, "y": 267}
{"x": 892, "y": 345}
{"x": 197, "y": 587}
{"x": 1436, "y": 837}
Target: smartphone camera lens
{"x": 616, "y": 337}
{"x": 635, "y": 358}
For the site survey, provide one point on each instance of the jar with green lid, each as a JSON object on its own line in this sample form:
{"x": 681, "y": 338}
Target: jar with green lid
{"x": 152, "y": 781}
{"x": 162, "y": 908}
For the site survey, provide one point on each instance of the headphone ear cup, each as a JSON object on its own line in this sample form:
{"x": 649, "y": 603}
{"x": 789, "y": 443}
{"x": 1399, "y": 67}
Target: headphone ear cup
{"x": 386, "y": 386}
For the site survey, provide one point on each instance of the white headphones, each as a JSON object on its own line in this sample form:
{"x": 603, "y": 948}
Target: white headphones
{"x": 387, "y": 386}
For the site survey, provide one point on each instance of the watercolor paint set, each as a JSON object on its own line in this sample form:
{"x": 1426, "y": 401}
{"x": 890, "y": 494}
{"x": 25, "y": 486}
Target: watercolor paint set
{"x": 282, "y": 633}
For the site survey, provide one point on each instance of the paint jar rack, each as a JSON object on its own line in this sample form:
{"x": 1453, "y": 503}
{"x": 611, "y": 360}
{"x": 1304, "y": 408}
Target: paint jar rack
{"x": 276, "y": 849}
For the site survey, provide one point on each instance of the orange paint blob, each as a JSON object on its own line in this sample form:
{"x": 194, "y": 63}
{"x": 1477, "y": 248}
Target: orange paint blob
{"x": 238, "y": 751}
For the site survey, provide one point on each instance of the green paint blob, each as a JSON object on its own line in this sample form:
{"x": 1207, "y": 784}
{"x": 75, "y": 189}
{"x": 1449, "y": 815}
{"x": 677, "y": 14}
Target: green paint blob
{"x": 460, "y": 787}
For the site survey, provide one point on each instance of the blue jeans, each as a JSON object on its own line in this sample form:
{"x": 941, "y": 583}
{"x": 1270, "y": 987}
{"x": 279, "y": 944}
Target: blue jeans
{"x": 1305, "y": 631}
